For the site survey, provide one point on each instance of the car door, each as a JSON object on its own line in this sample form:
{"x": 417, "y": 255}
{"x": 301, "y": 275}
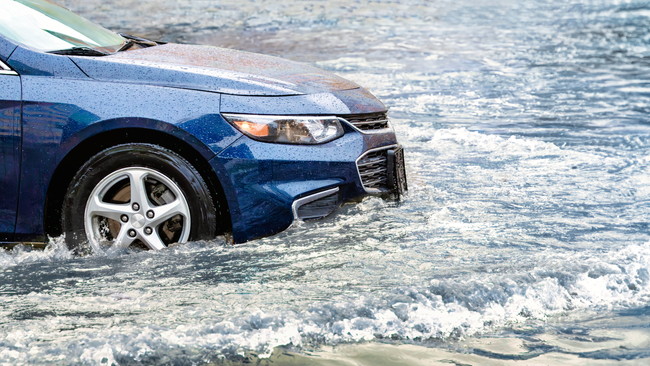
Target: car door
{"x": 10, "y": 104}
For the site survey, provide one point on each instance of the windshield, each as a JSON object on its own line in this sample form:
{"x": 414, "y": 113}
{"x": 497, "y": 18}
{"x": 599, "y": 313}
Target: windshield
{"x": 45, "y": 26}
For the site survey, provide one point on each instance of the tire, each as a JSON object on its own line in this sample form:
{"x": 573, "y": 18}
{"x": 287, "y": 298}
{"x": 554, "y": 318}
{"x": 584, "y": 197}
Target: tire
{"x": 171, "y": 202}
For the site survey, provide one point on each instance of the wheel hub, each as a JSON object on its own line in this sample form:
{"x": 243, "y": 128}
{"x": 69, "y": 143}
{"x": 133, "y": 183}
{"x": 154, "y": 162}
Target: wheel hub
{"x": 138, "y": 221}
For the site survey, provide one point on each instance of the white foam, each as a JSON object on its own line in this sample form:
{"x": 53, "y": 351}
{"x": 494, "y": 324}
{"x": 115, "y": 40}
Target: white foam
{"x": 56, "y": 250}
{"x": 445, "y": 308}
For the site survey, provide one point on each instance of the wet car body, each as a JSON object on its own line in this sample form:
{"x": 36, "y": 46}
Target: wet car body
{"x": 56, "y": 110}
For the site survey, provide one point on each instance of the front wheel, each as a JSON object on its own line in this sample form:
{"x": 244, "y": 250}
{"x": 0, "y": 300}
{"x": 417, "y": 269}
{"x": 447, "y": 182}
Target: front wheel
{"x": 137, "y": 195}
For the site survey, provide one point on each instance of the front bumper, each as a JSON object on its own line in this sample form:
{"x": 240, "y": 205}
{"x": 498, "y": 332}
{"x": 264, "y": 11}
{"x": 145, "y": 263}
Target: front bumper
{"x": 268, "y": 186}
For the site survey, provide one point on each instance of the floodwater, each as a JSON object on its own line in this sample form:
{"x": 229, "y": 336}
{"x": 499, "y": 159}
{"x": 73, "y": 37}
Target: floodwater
{"x": 525, "y": 238}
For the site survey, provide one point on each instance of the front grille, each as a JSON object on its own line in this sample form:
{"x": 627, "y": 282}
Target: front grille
{"x": 368, "y": 122}
{"x": 373, "y": 170}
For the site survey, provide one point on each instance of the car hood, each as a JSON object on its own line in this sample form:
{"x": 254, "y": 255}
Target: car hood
{"x": 212, "y": 69}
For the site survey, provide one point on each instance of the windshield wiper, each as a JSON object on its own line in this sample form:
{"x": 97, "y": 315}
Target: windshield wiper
{"x": 126, "y": 46}
{"x": 140, "y": 41}
{"x": 80, "y": 51}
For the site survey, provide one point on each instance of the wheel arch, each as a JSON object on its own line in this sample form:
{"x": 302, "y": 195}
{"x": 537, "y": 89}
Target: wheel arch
{"x": 71, "y": 163}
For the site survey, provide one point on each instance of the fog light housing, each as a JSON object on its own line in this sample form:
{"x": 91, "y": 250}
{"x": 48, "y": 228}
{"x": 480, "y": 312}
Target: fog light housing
{"x": 316, "y": 206}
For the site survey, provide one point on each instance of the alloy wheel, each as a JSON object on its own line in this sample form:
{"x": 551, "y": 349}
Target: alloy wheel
{"x": 137, "y": 207}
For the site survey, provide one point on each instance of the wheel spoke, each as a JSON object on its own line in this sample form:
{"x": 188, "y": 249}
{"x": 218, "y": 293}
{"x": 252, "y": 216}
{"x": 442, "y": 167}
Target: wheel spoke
{"x": 153, "y": 241}
{"x": 166, "y": 212}
{"x": 109, "y": 210}
{"x": 138, "y": 189}
{"x": 123, "y": 240}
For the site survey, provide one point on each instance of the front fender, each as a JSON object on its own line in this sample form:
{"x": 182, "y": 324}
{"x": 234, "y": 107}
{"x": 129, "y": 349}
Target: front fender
{"x": 189, "y": 132}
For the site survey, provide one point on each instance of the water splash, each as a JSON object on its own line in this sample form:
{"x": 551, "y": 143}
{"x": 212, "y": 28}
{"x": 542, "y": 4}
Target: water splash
{"x": 55, "y": 251}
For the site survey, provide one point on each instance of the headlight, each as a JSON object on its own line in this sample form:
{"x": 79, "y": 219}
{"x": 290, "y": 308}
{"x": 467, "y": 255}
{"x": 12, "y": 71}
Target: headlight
{"x": 287, "y": 129}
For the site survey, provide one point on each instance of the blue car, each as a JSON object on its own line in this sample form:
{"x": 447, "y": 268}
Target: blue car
{"x": 115, "y": 140}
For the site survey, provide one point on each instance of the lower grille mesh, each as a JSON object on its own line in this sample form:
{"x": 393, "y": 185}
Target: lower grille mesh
{"x": 373, "y": 170}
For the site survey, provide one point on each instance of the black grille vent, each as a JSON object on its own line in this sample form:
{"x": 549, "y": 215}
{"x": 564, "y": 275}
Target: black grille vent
{"x": 373, "y": 169}
{"x": 319, "y": 208}
{"x": 368, "y": 122}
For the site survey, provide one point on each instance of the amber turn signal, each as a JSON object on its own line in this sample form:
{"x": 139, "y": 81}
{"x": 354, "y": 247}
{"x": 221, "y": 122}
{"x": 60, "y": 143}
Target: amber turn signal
{"x": 254, "y": 129}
